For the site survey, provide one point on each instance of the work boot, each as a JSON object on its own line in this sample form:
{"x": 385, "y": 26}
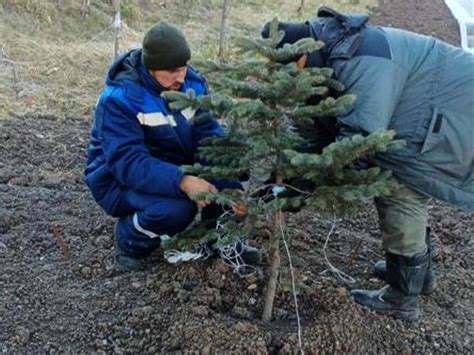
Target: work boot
{"x": 429, "y": 284}
{"x": 401, "y": 297}
{"x": 125, "y": 261}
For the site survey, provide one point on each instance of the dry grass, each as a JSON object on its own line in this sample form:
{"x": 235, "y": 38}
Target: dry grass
{"x": 53, "y": 60}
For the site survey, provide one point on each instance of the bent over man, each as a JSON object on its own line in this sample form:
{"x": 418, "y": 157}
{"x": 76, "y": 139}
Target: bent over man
{"x": 423, "y": 89}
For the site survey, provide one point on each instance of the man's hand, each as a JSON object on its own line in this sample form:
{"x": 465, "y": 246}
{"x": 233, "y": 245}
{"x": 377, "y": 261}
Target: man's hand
{"x": 192, "y": 186}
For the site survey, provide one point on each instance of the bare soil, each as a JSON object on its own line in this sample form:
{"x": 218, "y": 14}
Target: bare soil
{"x": 82, "y": 304}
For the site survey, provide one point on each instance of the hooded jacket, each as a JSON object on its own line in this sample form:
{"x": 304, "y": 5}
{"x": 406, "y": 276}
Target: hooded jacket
{"x": 416, "y": 85}
{"x": 137, "y": 141}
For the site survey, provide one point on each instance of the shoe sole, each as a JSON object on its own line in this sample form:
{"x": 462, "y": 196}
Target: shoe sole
{"x": 396, "y": 313}
{"x": 399, "y": 314}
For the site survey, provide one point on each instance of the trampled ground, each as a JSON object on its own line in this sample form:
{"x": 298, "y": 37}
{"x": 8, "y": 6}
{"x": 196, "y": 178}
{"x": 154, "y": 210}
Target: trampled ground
{"x": 53, "y": 304}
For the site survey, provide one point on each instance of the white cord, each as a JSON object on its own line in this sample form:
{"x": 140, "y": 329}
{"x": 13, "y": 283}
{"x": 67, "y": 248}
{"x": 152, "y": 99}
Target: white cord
{"x": 293, "y": 285}
{"x": 229, "y": 253}
{"x": 197, "y": 252}
{"x": 232, "y": 257}
{"x": 340, "y": 274}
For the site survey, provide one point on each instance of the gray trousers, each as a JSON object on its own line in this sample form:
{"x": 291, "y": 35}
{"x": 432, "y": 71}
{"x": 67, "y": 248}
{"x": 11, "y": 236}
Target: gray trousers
{"x": 403, "y": 218}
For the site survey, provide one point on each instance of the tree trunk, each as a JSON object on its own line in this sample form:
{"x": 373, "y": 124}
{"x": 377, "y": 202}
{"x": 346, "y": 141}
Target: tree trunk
{"x": 225, "y": 13}
{"x": 274, "y": 269}
{"x": 275, "y": 242}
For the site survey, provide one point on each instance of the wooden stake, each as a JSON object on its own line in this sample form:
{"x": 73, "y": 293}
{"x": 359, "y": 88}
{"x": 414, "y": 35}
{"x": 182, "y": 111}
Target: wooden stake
{"x": 58, "y": 235}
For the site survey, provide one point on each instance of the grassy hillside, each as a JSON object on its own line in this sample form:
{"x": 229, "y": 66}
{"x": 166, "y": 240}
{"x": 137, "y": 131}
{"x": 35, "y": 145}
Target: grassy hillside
{"x": 55, "y": 53}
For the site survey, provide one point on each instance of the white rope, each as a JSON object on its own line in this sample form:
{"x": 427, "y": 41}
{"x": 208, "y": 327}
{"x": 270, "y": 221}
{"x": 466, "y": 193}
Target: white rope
{"x": 276, "y": 190}
{"x": 293, "y": 285}
{"x": 196, "y": 252}
{"x": 340, "y": 274}
{"x": 230, "y": 255}
{"x": 233, "y": 258}
{"x": 201, "y": 252}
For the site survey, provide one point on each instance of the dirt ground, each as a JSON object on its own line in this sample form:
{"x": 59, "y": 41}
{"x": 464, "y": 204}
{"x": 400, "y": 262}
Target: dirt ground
{"x": 82, "y": 304}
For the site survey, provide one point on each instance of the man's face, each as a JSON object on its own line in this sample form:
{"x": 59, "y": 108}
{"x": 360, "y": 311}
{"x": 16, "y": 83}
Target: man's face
{"x": 170, "y": 79}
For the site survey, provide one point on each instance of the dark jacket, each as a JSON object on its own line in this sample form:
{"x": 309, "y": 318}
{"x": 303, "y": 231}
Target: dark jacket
{"x": 416, "y": 85}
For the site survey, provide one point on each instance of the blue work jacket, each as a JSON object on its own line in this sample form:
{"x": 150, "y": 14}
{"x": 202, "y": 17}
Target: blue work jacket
{"x": 137, "y": 141}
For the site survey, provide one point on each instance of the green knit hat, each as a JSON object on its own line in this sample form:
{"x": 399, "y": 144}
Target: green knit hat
{"x": 164, "y": 48}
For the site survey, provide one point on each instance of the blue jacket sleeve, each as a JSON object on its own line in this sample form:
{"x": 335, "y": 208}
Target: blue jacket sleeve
{"x": 127, "y": 156}
{"x": 378, "y": 84}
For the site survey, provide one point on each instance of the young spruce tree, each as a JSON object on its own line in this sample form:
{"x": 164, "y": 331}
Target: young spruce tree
{"x": 261, "y": 101}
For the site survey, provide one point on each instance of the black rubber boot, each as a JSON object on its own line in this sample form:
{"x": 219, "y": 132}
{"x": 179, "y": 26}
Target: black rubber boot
{"x": 401, "y": 297}
{"x": 125, "y": 261}
{"x": 429, "y": 286}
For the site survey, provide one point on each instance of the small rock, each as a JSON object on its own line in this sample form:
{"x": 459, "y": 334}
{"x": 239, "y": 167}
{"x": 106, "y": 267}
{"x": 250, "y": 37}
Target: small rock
{"x": 102, "y": 241}
{"x": 22, "y": 335}
{"x": 252, "y": 287}
{"x": 241, "y": 327}
{"x": 3, "y": 247}
{"x": 206, "y": 350}
{"x": 241, "y": 312}
{"x": 207, "y": 296}
{"x": 190, "y": 285}
{"x": 20, "y": 181}
{"x": 48, "y": 267}
{"x": 201, "y": 311}
{"x": 86, "y": 271}
{"x": 137, "y": 284}
{"x": 252, "y": 301}
{"x": 142, "y": 311}
{"x": 252, "y": 279}
{"x": 341, "y": 293}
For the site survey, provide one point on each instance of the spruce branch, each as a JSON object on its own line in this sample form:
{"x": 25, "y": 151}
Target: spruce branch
{"x": 328, "y": 107}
